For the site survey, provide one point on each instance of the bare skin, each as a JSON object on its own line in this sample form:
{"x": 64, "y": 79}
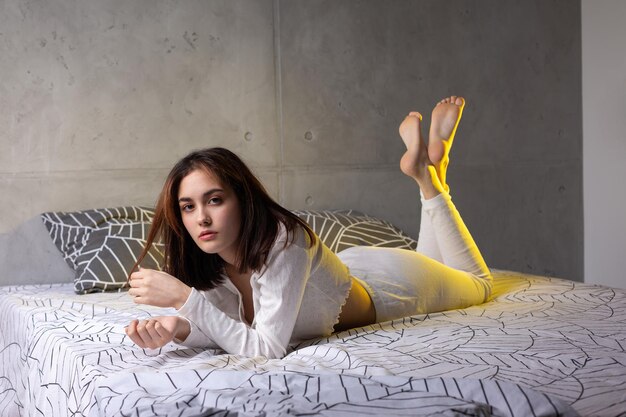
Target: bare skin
{"x": 358, "y": 311}
{"x": 415, "y": 162}
{"x": 427, "y": 166}
{"x": 444, "y": 122}
{"x": 242, "y": 283}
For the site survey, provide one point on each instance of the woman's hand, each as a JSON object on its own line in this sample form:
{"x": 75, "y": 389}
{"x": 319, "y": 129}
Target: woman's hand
{"x": 157, "y": 288}
{"x": 158, "y": 331}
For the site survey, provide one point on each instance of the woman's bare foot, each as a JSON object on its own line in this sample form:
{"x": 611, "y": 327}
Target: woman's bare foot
{"x": 415, "y": 162}
{"x": 444, "y": 122}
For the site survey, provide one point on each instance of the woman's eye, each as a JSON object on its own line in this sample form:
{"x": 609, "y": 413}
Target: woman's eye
{"x": 215, "y": 200}
{"x": 186, "y": 207}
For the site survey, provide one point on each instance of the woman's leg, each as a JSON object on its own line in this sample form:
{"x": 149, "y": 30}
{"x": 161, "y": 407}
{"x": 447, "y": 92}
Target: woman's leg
{"x": 457, "y": 247}
{"x": 409, "y": 129}
{"x": 427, "y": 241}
{"x": 402, "y": 282}
{"x": 460, "y": 277}
{"x": 444, "y": 122}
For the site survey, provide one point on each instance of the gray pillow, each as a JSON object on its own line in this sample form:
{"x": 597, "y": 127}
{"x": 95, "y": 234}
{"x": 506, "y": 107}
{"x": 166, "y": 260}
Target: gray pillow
{"x": 342, "y": 229}
{"x": 102, "y": 245}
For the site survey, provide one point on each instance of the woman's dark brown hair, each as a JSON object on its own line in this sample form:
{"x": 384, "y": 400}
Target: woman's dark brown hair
{"x": 260, "y": 218}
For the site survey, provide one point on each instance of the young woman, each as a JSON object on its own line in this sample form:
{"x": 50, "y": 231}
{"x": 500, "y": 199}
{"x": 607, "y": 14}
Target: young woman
{"x": 248, "y": 276}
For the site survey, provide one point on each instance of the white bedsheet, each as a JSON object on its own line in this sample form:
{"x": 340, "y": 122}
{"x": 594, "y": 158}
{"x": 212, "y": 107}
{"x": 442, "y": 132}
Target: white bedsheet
{"x": 541, "y": 343}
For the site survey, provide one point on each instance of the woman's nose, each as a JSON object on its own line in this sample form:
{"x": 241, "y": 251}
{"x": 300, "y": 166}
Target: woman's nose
{"x": 203, "y": 217}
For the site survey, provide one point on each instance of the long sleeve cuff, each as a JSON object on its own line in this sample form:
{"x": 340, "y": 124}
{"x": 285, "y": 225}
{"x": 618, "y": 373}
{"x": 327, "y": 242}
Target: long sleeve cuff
{"x": 196, "y": 338}
{"x": 212, "y": 327}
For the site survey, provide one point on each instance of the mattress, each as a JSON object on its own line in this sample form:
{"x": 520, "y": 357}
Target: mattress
{"x": 541, "y": 346}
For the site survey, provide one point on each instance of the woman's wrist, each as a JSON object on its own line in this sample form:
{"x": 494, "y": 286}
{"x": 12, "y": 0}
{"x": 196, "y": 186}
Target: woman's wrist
{"x": 184, "y": 296}
{"x": 183, "y": 329}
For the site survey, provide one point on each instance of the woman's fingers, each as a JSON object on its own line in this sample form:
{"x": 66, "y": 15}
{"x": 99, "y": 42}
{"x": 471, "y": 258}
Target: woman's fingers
{"x": 157, "y": 288}
{"x": 131, "y": 331}
{"x": 143, "y": 333}
{"x": 138, "y": 299}
{"x": 155, "y": 335}
{"x": 137, "y": 275}
{"x": 138, "y": 295}
{"x": 137, "y": 287}
{"x": 140, "y": 286}
{"x": 149, "y": 333}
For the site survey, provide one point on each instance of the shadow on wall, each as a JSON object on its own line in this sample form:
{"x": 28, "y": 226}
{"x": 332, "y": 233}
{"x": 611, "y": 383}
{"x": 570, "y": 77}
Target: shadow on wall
{"x": 28, "y": 256}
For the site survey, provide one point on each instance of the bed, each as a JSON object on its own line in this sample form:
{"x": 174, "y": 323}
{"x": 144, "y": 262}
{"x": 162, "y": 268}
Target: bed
{"x": 539, "y": 347}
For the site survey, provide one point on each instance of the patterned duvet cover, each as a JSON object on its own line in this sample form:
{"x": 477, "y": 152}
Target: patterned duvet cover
{"x": 541, "y": 346}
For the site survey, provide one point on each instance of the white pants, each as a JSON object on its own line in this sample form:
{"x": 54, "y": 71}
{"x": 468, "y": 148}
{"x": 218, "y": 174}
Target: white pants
{"x": 446, "y": 271}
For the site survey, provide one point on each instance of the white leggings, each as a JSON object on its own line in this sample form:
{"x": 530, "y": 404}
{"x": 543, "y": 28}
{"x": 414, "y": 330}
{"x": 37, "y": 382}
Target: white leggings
{"x": 446, "y": 271}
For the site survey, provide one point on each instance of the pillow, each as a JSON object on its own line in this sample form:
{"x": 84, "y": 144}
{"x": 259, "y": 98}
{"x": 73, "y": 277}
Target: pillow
{"x": 102, "y": 245}
{"x": 342, "y": 229}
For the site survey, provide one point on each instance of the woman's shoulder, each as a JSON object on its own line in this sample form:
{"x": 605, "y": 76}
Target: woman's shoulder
{"x": 298, "y": 236}
{"x": 289, "y": 246}
{"x": 293, "y": 241}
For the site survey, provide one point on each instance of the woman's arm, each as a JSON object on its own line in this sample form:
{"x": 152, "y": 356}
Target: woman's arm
{"x": 282, "y": 287}
{"x": 157, "y": 288}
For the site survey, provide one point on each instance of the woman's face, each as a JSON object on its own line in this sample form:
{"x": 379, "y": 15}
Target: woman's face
{"x": 210, "y": 213}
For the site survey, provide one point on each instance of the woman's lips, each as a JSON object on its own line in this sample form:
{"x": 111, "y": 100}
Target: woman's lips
{"x": 205, "y": 236}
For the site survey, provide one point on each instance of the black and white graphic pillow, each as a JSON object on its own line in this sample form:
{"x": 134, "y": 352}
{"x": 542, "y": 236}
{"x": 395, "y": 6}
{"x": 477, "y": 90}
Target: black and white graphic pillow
{"x": 102, "y": 245}
{"x": 342, "y": 229}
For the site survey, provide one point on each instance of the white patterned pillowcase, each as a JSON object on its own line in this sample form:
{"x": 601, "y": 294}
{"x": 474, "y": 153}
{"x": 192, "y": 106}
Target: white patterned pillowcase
{"x": 342, "y": 229}
{"x": 102, "y": 245}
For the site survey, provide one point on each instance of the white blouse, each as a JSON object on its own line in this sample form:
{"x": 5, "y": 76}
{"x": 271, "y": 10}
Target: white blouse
{"x": 297, "y": 295}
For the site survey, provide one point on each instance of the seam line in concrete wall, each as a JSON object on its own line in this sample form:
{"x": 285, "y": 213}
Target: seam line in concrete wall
{"x": 85, "y": 173}
{"x": 343, "y": 168}
{"x": 282, "y": 167}
{"x": 91, "y": 173}
{"x": 279, "y": 102}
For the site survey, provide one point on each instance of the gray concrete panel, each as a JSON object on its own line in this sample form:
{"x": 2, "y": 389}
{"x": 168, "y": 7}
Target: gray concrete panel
{"x": 31, "y": 195}
{"x": 524, "y": 217}
{"x": 72, "y": 192}
{"x": 116, "y": 84}
{"x": 383, "y": 192}
{"x": 352, "y": 70}
{"x": 28, "y": 256}
{"x": 529, "y": 231}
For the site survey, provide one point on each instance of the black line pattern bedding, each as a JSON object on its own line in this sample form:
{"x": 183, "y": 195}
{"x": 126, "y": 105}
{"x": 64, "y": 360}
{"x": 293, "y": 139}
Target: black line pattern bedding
{"x": 540, "y": 347}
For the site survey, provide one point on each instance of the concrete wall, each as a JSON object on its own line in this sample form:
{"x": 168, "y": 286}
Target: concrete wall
{"x": 604, "y": 132}
{"x": 99, "y": 98}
